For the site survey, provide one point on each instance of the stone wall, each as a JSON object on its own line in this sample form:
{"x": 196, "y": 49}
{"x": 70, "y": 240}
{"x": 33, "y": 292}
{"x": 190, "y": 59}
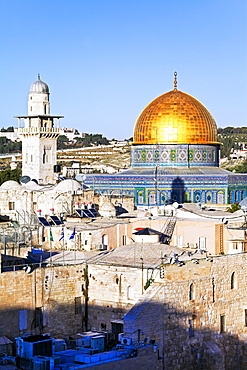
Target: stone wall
{"x": 53, "y": 289}
{"x": 201, "y": 325}
{"x": 112, "y": 291}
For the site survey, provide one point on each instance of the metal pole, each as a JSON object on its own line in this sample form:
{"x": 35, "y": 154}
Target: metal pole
{"x": 142, "y": 272}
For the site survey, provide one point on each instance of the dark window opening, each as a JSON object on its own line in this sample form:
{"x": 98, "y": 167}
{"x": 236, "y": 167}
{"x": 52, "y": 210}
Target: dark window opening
{"x": 192, "y": 292}
{"x": 38, "y": 317}
{"x": 222, "y": 323}
{"x": 191, "y": 328}
{"x": 78, "y": 307}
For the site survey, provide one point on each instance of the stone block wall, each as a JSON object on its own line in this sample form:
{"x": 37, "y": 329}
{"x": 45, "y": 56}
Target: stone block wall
{"x": 53, "y": 289}
{"x": 197, "y": 314}
{"x": 201, "y": 325}
{"x": 113, "y": 290}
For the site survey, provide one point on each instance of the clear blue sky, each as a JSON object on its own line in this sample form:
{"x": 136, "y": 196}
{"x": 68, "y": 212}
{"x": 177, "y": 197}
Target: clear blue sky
{"x": 105, "y": 60}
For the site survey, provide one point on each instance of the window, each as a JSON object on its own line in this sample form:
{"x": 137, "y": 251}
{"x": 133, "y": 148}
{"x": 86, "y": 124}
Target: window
{"x": 180, "y": 240}
{"x": 222, "y": 323}
{"x": 192, "y": 292}
{"x": 202, "y": 243}
{"x": 78, "y": 308}
{"x": 151, "y": 198}
{"x": 31, "y": 158}
{"x": 124, "y": 239}
{"x": 140, "y": 197}
{"x": 23, "y": 320}
{"x": 213, "y": 289}
{"x": 38, "y": 317}
{"x": 245, "y": 317}
{"x": 233, "y": 281}
{"x": 105, "y": 241}
{"x": 191, "y": 328}
{"x": 129, "y": 292}
{"x": 11, "y": 206}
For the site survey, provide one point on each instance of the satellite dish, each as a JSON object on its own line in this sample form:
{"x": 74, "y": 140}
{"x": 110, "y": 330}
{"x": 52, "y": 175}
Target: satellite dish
{"x": 27, "y": 269}
{"x": 25, "y": 179}
{"x": 175, "y": 205}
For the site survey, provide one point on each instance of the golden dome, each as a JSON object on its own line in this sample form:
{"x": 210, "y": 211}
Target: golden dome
{"x": 175, "y": 118}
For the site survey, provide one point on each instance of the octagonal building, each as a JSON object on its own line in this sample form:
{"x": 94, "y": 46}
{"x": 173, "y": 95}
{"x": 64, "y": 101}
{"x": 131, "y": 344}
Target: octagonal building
{"x": 174, "y": 157}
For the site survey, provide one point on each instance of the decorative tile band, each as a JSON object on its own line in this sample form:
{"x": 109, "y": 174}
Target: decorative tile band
{"x": 175, "y": 155}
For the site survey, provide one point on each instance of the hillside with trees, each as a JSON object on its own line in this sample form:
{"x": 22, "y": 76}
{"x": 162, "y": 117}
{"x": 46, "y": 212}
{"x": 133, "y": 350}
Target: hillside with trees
{"x": 89, "y": 140}
{"x": 231, "y": 137}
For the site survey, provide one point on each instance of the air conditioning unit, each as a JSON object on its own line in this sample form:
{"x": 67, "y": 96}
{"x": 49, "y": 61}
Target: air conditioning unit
{"x": 120, "y": 336}
{"x": 126, "y": 341}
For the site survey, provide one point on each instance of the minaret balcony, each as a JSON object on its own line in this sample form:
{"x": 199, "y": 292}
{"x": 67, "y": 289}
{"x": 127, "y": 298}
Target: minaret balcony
{"x": 38, "y": 130}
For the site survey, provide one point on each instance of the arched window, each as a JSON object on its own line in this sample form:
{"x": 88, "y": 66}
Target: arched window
{"x": 192, "y": 292}
{"x": 197, "y": 196}
{"x": 104, "y": 241}
{"x": 209, "y": 197}
{"x": 186, "y": 197}
{"x": 151, "y": 198}
{"x": 220, "y": 197}
{"x": 140, "y": 197}
{"x": 233, "y": 281}
{"x": 163, "y": 197}
{"x": 175, "y": 196}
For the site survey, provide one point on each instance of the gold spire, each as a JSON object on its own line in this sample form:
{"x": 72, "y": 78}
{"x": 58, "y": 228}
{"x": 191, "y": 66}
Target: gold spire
{"x": 175, "y": 81}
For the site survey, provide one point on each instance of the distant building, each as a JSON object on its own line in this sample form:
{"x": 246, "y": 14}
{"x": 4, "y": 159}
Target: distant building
{"x": 11, "y": 135}
{"x": 71, "y": 133}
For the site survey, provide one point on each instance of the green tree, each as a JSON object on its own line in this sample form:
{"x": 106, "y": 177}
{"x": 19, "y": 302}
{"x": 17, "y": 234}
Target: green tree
{"x": 62, "y": 142}
{"x": 8, "y": 129}
{"x": 10, "y": 175}
{"x": 242, "y": 168}
{"x": 233, "y": 208}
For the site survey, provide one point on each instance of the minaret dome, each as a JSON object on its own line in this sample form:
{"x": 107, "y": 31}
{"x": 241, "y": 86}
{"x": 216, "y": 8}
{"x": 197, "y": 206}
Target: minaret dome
{"x": 38, "y": 98}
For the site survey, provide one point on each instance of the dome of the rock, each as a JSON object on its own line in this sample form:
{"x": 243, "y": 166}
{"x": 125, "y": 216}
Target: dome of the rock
{"x": 175, "y": 118}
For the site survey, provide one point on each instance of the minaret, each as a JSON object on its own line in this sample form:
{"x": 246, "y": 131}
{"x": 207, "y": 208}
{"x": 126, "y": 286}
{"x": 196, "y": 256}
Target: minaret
{"x": 39, "y": 135}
